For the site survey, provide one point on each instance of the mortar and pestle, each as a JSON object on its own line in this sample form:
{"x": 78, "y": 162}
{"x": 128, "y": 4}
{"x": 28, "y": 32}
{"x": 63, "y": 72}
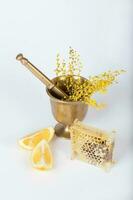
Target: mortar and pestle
{"x": 65, "y": 112}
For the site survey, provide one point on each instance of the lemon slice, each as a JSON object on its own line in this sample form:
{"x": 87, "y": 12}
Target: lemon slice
{"x": 42, "y": 158}
{"x": 29, "y": 142}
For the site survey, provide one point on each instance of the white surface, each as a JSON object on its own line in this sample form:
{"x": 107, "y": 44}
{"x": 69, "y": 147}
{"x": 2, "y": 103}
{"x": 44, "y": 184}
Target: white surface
{"x": 101, "y": 32}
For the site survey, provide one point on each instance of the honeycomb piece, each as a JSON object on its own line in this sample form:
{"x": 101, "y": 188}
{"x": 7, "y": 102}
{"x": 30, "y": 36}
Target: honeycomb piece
{"x": 92, "y": 145}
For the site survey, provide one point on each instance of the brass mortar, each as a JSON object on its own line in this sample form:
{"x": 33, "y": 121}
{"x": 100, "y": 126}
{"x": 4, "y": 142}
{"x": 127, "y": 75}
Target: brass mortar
{"x": 65, "y": 112}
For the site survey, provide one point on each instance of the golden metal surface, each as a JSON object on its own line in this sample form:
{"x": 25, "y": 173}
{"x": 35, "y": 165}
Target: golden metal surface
{"x": 65, "y": 112}
{"x": 44, "y": 79}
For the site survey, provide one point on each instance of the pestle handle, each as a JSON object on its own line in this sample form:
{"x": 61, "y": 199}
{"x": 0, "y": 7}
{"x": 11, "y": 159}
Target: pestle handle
{"x": 44, "y": 79}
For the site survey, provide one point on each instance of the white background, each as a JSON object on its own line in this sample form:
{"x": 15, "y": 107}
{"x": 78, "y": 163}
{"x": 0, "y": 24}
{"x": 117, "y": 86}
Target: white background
{"x": 101, "y": 32}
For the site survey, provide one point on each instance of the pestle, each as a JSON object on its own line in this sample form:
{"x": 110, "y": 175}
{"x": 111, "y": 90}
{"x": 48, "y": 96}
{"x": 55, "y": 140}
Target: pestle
{"x": 44, "y": 79}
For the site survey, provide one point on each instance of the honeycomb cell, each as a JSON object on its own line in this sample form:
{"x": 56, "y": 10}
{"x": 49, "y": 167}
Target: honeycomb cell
{"x": 95, "y": 147}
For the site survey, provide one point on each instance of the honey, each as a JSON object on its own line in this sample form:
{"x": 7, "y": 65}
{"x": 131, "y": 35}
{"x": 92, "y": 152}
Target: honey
{"x": 92, "y": 145}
